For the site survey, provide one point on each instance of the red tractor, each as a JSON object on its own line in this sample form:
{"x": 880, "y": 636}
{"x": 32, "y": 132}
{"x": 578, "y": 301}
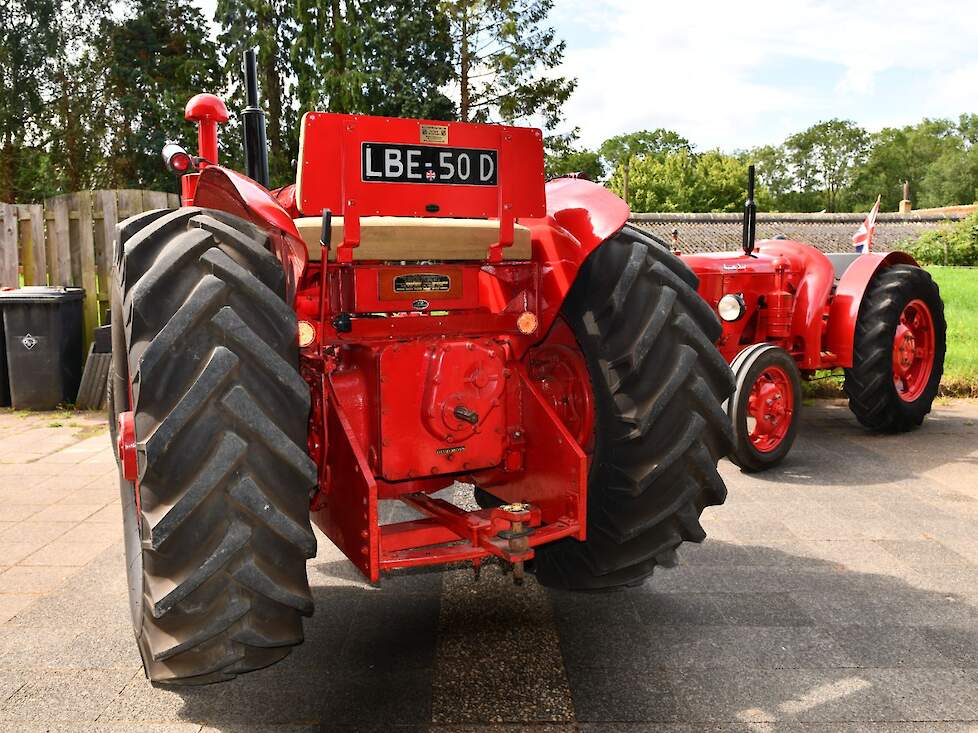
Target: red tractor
{"x": 788, "y": 311}
{"x": 419, "y": 309}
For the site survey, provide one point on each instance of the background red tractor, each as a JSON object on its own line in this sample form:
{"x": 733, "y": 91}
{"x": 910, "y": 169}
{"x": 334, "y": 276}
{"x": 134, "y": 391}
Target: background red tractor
{"x": 418, "y": 309}
{"x": 788, "y": 310}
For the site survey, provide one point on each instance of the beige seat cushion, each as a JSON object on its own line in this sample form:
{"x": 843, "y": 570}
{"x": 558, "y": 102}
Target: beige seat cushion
{"x": 406, "y": 238}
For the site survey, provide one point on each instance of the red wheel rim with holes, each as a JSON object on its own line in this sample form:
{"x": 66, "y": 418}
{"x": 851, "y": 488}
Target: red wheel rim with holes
{"x": 771, "y": 408}
{"x": 913, "y": 350}
{"x": 558, "y": 368}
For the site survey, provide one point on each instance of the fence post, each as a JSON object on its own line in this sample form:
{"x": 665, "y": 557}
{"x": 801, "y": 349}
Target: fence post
{"x": 38, "y": 250}
{"x": 60, "y": 246}
{"x": 9, "y": 274}
{"x": 86, "y": 252}
{"x": 110, "y": 219}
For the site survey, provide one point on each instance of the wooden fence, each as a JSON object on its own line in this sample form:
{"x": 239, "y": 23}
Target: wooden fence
{"x": 67, "y": 240}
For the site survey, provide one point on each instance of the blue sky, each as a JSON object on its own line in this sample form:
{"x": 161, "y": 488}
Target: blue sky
{"x": 738, "y": 74}
{"x": 732, "y": 74}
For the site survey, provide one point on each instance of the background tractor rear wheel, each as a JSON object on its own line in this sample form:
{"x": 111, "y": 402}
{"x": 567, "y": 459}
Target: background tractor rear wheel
{"x": 765, "y": 406}
{"x": 898, "y": 350}
{"x": 217, "y": 524}
{"x": 657, "y": 383}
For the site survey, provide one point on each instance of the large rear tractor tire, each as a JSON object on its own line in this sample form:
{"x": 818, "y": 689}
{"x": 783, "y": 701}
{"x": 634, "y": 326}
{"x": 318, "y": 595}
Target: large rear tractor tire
{"x": 217, "y": 528}
{"x": 658, "y": 384}
{"x": 898, "y": 350}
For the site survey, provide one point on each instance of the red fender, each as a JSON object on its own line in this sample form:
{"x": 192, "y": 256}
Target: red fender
{"x": 590, "y": 212}
{"x": 580, "y": 216}
{"x": 849, "y": 296}
{"x": 226, "y": 190}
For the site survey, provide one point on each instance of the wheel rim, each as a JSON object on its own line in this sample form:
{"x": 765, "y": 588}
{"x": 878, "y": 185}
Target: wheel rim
{"x": 559, "y": 371}
{"x": 130, "y": 521}
{"x": 913, "y": 350}
{"x": 770, "y": 409}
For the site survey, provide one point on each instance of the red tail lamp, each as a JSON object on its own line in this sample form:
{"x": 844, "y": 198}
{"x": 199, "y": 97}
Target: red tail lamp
{"x": 177, "y": 159}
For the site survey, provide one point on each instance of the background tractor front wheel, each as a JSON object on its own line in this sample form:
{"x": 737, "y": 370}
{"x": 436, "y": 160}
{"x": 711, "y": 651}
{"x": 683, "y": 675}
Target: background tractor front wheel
{"x": 656, "y": 384}
{"x": 765, "y": 406}
{"x": 216, "y": 517}
{"x": 898, "y": 350}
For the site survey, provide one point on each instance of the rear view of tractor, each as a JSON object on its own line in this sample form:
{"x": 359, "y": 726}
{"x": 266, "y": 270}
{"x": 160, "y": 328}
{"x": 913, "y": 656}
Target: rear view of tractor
{"x": 789, "y": 311}
{"x": 419, "y": 309}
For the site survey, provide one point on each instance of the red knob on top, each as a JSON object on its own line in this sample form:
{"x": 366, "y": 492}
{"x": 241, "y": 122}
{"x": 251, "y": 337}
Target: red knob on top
{"x": 206, "y": 107}
{"x": 208, "y": 111}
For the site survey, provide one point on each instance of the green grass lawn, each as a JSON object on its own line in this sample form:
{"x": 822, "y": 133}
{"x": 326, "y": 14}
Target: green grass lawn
{"x": 959, "y": 289}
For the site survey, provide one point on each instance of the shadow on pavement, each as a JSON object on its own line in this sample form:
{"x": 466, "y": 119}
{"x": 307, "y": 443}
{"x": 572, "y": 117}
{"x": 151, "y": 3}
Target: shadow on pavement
{"x": 833, "y": 449}
{"x": 737, "y": 634}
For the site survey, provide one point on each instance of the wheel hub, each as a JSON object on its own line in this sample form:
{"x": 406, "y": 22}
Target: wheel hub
{"x": 913, "y": 350}
{"x": 126, "y": 446}
{"x": 770, "y": 407}
{"x": 559, "y": 371}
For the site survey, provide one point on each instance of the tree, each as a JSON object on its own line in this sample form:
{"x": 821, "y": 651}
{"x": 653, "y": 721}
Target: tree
{"x": 686, "y": 181}
{"x": 382, "y": 57}
{"x": 903, "y": 154}
{"x": 774, "y": 175}
{"x": 824, "y": 157}
{"x": 619, "y": 151}
{"x": 407, "y": 60}
{"x": 951, "y": 179}
{"x": 154, "y": 60}
{"x": 270, "y": 27}
{"x": 49, "y": 103}
{"x": 563, "y": 157}
{"x": 504, "y": 57}
{"x": 28, "y": 43}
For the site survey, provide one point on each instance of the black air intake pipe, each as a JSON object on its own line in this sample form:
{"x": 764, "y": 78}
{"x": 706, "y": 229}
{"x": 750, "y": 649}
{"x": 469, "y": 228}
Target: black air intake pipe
{"x": 253, "y": 121}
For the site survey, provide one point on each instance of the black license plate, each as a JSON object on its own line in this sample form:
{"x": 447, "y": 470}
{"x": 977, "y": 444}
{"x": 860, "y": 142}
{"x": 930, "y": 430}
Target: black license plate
{"x": 394, "y": 163}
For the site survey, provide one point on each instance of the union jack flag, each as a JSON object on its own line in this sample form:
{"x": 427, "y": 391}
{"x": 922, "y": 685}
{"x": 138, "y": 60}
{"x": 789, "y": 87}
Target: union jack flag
{"x": 863, "y": 237}
{"x": 430, "y": 175}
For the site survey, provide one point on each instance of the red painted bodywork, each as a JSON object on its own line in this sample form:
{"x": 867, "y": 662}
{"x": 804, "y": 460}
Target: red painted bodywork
{"x": 792, "y": 299}
{"x": 412, "y": 391}
{"x": 331, "y": 176}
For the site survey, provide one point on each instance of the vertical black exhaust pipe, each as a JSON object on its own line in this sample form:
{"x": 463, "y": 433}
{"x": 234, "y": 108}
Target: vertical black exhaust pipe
{"x": 750, "y": 214}
{"x": 253, "y": 121}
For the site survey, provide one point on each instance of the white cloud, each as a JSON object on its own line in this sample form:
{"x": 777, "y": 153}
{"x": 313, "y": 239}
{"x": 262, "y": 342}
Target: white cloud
{"x": 711, "y": 69}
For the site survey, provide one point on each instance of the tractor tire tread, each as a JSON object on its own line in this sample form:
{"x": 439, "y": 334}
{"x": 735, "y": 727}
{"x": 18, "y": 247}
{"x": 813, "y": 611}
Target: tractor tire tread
{"x": 868, "y": 384}
{"x": 659, "y": 383}
{"x": 224, "y": 475}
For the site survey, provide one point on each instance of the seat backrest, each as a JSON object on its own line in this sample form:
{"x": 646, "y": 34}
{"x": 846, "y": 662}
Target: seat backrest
{"x": 388, "y": 238}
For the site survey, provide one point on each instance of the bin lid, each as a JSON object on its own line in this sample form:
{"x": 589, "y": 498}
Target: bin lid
{"x": 40, "y": 294}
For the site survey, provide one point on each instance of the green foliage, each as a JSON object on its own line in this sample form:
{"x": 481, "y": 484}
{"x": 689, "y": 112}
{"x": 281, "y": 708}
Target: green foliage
{"x": 504, "y": 59}
{"x": 563, "y": 157}
{"x": 956, "y": 244}
{"x": 658, "y": 143}
{"x": 621, "y": 151}
{"x": 384, "y": 57}
{"x": 905, "y": 154}
{"x": 824, "y": 159}
{"x": 687, "y": 181}
{"x": 407, "y": 56}
{"x": 48, "y": 83}
{"x": 267, "y": 26}
{"x": 153, "y": 60}
{"x": 28, "y": 46}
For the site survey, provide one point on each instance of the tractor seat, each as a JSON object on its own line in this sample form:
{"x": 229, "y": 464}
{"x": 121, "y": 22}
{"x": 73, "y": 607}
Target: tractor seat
{"x": 406, "y": 238}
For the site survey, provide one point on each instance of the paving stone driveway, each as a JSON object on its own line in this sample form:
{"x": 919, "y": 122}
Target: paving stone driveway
{"x": 838, "y": 593}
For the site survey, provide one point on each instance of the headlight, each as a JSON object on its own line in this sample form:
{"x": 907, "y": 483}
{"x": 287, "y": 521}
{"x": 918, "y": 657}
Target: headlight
{"x": 731, "y": 307}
